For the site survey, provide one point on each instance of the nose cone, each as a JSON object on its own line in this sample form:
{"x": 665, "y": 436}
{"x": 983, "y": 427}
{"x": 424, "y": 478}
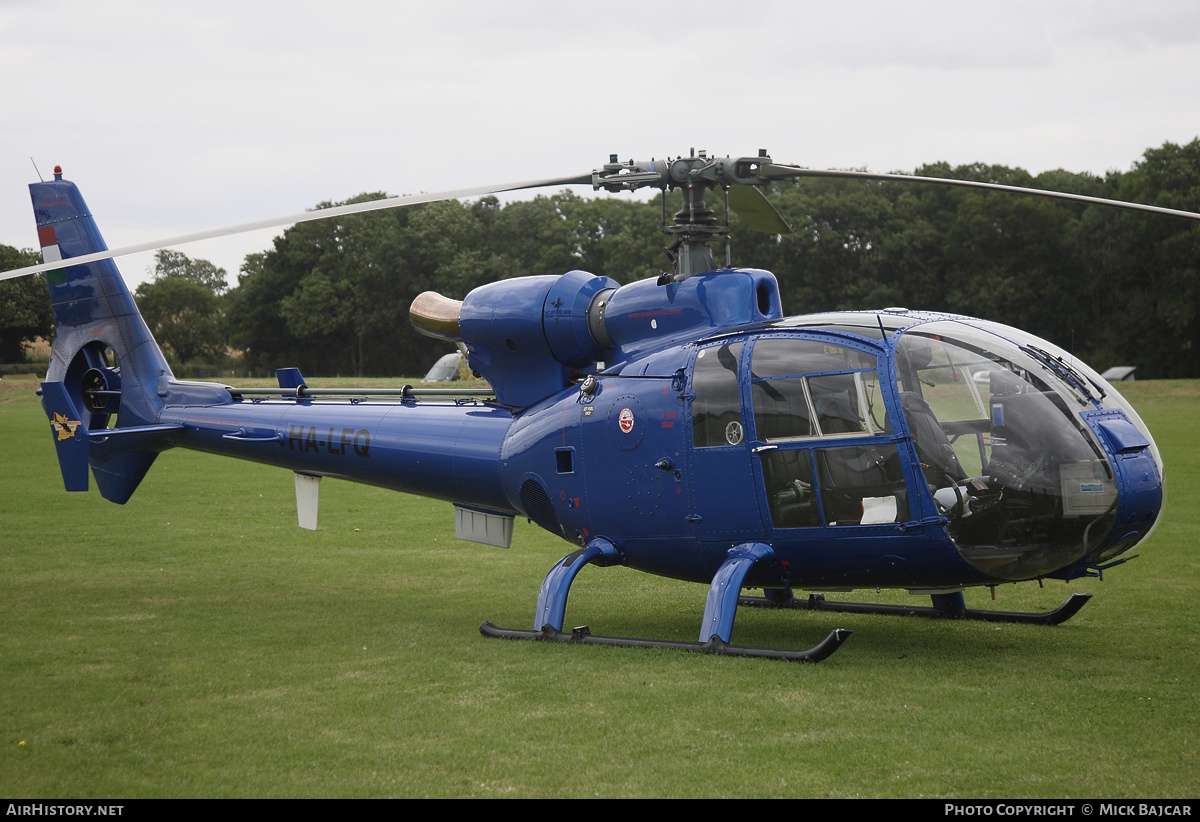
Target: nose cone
{"x": 1137, "y": 474}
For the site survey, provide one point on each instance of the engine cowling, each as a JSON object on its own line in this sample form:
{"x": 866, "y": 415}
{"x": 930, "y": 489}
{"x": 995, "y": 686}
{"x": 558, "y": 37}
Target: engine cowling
{"x": 529, "y": 336}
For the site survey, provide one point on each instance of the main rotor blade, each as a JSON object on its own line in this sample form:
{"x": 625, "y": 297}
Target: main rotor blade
{"x": 781, "y": 172}
{"x": 307, "y": 216}
{"x": 756, "y": 211}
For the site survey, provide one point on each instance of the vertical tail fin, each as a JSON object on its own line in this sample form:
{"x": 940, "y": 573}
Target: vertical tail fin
{"x": 104, "y": 361}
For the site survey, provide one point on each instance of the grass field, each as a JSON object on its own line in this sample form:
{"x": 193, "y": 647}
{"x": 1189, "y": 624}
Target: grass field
{"x": 195, "y": 642}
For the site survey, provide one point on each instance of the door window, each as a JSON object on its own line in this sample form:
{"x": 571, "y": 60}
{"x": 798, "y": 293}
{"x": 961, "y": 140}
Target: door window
{"x": 807, "y": 395}
{"x": 716, "y": 409}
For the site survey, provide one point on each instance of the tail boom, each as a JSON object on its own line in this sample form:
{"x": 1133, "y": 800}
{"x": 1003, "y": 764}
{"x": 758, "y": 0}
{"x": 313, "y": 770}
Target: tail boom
{"x": 439, "y": 450}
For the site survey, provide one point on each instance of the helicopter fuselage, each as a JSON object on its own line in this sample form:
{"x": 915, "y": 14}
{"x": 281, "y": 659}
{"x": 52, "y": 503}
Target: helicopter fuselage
{"x": 860, "y": 455}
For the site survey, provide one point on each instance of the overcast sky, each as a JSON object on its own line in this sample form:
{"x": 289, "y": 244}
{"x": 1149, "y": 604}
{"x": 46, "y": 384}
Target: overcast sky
{"x": 179, "y": 117}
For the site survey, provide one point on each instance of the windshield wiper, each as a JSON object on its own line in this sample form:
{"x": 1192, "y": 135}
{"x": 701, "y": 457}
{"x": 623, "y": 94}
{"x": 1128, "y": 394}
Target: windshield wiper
{"x": 1065, "y": 372}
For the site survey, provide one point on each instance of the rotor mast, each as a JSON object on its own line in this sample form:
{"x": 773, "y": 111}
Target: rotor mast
{"x": 694, "y": 227}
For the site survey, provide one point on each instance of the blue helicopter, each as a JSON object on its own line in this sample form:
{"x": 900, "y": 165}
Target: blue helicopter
{"x": 679, "y": 425}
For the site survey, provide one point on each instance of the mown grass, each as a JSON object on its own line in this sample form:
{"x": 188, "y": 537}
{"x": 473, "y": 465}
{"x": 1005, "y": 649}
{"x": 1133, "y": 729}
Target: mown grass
{"x": 195, "y": 642}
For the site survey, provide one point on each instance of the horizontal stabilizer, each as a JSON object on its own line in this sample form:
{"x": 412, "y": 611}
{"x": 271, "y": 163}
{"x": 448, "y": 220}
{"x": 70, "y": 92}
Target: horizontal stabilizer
{"x": 107, "y": 433}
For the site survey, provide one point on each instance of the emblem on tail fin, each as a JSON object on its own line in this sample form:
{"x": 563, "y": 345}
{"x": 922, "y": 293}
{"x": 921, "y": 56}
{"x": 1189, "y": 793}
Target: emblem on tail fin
{"x": 63, "y": 427}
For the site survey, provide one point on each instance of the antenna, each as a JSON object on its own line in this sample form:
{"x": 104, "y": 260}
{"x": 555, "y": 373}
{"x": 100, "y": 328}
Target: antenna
{"x": 35, "y": 168}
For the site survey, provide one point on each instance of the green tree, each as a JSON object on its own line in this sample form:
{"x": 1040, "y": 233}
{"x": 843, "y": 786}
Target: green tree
{"x": 182, "y": 306}
{"x": 869, "y": 244}
{"x": 24, "y": 305}
{"x": 168, "y": 263}
{"x": 332, "y": 296}
{"x": 256, "y": 325}
{"x": 1156, "y": 303}
{"x": 834, "y": 257}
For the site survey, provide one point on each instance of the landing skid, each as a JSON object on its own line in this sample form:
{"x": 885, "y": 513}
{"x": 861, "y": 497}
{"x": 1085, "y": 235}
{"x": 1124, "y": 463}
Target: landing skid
{"x": 715, "y": 644}
{"x": 716, "y": 626}
{"x": 944, "y": 610}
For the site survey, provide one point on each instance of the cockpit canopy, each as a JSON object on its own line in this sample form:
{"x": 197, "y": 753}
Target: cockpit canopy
{"x": 1013, "y": 438}
{"x": 1003, "y": 425}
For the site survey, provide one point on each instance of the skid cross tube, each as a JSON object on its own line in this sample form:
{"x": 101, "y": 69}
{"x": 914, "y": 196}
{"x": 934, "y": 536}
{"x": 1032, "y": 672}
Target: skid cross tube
{"x": 818, "y": 602}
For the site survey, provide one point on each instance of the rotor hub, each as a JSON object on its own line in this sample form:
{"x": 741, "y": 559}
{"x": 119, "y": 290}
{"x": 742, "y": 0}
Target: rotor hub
{"x": 695, "y": 225}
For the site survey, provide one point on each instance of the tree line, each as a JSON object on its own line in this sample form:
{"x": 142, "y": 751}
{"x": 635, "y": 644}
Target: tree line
{"x": 332, "y": 296}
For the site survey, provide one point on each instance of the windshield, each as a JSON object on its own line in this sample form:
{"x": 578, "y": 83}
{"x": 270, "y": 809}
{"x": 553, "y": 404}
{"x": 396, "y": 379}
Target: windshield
{"x": 1024, "y": 485}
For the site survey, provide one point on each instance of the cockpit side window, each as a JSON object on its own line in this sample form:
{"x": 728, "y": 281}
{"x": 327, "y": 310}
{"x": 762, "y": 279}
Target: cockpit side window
{"x": 716, "y": 409}
{"x": 812, "y": 388}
